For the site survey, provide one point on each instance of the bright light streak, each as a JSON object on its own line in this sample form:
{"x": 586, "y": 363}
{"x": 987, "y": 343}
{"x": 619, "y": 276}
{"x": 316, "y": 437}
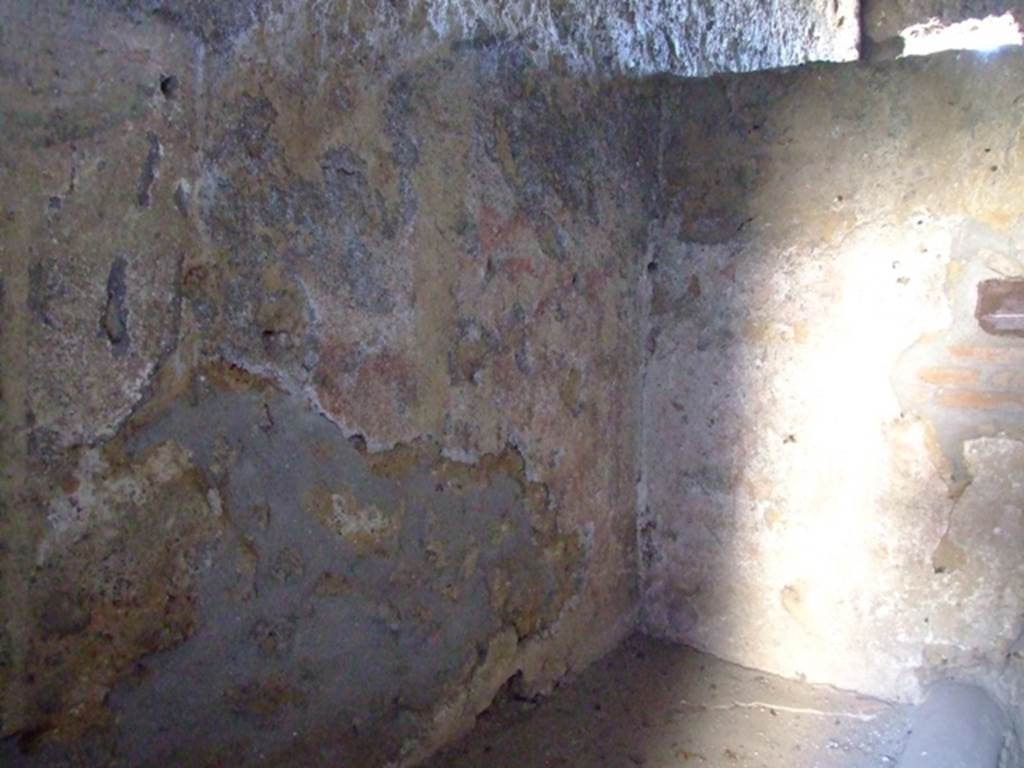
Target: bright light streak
{"x": 973, "y": 34}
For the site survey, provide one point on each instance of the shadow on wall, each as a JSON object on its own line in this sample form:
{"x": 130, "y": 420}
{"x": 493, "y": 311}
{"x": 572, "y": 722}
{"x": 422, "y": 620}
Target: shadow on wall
{"x": 818, "y": 391}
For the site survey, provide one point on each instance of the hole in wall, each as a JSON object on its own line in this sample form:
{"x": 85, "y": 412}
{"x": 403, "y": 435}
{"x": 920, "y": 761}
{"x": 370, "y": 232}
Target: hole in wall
{"x": 169, "y": 86}
{"x": 1000, "y": 307}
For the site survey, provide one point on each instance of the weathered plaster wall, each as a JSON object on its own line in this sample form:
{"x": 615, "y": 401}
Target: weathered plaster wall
{"x": 320, "y": 388}
{"x": 832, "y": 443}
{"x": 321, "y": 359}
{"x": 324, "y": 368}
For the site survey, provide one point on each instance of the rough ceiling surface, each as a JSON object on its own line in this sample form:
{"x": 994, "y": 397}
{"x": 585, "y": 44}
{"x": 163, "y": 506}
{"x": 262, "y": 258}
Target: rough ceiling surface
{"x": 687, "y": 37}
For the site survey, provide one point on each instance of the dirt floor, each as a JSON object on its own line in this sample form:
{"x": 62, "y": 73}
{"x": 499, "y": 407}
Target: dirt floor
{"x": 657, "y": 705}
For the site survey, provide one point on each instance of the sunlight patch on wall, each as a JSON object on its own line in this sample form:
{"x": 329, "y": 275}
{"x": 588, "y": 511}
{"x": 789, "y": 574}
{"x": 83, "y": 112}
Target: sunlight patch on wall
{"x": 973, "y": 35}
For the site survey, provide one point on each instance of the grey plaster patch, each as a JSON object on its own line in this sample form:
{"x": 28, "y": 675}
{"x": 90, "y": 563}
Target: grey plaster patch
{"x": 339, "y": 601}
